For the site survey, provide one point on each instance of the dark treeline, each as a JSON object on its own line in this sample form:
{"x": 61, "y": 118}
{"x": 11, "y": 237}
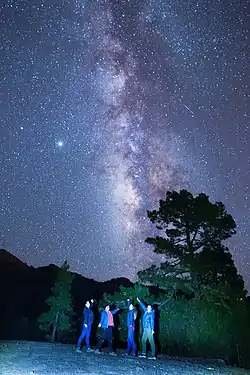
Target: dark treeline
{"x": 201, "y": 306}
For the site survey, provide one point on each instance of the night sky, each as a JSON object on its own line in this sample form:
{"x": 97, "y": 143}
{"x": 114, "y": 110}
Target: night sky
{"x": 105, "y": 105}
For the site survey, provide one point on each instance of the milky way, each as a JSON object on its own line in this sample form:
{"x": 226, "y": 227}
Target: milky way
{"x": 105, "y": 107}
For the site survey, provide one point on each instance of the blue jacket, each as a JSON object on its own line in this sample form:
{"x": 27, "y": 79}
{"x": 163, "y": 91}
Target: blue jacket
{"x": 104, "y": 317}
{"x": 148, "y": 317}
{"x": 88, "y": 315}
{"x": 130, "y": 317}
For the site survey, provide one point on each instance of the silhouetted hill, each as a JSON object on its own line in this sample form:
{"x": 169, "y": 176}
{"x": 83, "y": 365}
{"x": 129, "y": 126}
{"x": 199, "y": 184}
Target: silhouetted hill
{"x": 10, "y": 263}
{"x": 24, "y": 290}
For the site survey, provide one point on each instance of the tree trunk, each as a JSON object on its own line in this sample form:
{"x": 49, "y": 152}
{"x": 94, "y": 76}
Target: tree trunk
{"x": 55, "y": 327}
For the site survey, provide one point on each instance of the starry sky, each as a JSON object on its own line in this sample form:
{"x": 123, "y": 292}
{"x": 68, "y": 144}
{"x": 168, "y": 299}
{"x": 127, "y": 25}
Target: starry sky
{"x": 107, "y": 104}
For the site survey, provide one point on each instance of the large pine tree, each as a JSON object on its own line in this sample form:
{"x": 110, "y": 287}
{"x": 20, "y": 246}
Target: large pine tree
{"x": 192, "y": 233}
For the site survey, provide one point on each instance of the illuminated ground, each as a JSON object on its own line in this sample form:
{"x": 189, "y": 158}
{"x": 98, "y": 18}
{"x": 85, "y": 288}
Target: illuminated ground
{"x": 26, "y": 358}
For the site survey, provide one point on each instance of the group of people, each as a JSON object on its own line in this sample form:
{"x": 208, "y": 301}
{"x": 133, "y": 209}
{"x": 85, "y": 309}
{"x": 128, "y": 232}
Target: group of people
{"x": 107, "y": 324}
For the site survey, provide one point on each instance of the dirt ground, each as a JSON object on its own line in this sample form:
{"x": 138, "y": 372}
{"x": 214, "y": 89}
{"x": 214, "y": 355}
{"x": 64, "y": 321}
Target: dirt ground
{"x": 41, "y": 358}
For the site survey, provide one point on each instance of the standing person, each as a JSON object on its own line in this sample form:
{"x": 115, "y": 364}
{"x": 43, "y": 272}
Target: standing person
{"x": 148, "y": 330}
{"x": 88, "y": 318}
{"x": 131, "y": 317}
{"x": 107, "y": 324}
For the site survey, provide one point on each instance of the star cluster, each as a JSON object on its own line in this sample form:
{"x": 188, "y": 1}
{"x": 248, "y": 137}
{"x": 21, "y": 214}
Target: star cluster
{"x": 104, "y": 106}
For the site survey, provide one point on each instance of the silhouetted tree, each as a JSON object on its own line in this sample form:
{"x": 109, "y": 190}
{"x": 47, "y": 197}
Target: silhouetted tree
{"x": 58, "y": 318}
{"x": 189, "y": 225}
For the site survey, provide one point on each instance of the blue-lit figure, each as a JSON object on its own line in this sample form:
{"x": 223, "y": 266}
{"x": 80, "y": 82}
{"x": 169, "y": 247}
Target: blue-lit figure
{"x": 131, "y": 317}
{"x": 148, "y": 329}
{"x": 88, "y": 318}
{"x": 107, "y": 324}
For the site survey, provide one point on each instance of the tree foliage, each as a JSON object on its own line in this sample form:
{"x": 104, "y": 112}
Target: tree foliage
{"x": 192, "y": 231}
{"x": 196, "y": 328}
{"x": 215, "y": 265}
{"x": 188, "y": 224}
{"x": 58, "y": 318}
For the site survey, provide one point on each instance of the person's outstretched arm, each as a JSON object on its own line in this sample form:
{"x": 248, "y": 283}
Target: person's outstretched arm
{"x": 142, "y": 305}
{"x": 113, "y": 312}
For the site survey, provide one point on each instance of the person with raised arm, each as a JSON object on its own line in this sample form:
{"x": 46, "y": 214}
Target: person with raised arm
{"x": 148, "y": 329}
{"x": 131, "y": 317}
{"x": 107, "y": 324}
{"x": 88, "y": 318}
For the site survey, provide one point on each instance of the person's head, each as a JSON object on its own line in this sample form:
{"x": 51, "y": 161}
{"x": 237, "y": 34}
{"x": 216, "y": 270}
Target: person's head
{"x": 87, "y": 304}
{"x": 149, "y": 308}
{"x": 107, "y": 308}
{"x": 131, "y": 306}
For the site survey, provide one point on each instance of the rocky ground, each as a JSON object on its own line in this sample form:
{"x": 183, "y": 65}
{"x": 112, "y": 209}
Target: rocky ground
{"x": 40, "y": 358}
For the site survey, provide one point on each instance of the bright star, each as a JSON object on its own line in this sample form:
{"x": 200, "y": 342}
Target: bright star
{"x": 59, "y": 143}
